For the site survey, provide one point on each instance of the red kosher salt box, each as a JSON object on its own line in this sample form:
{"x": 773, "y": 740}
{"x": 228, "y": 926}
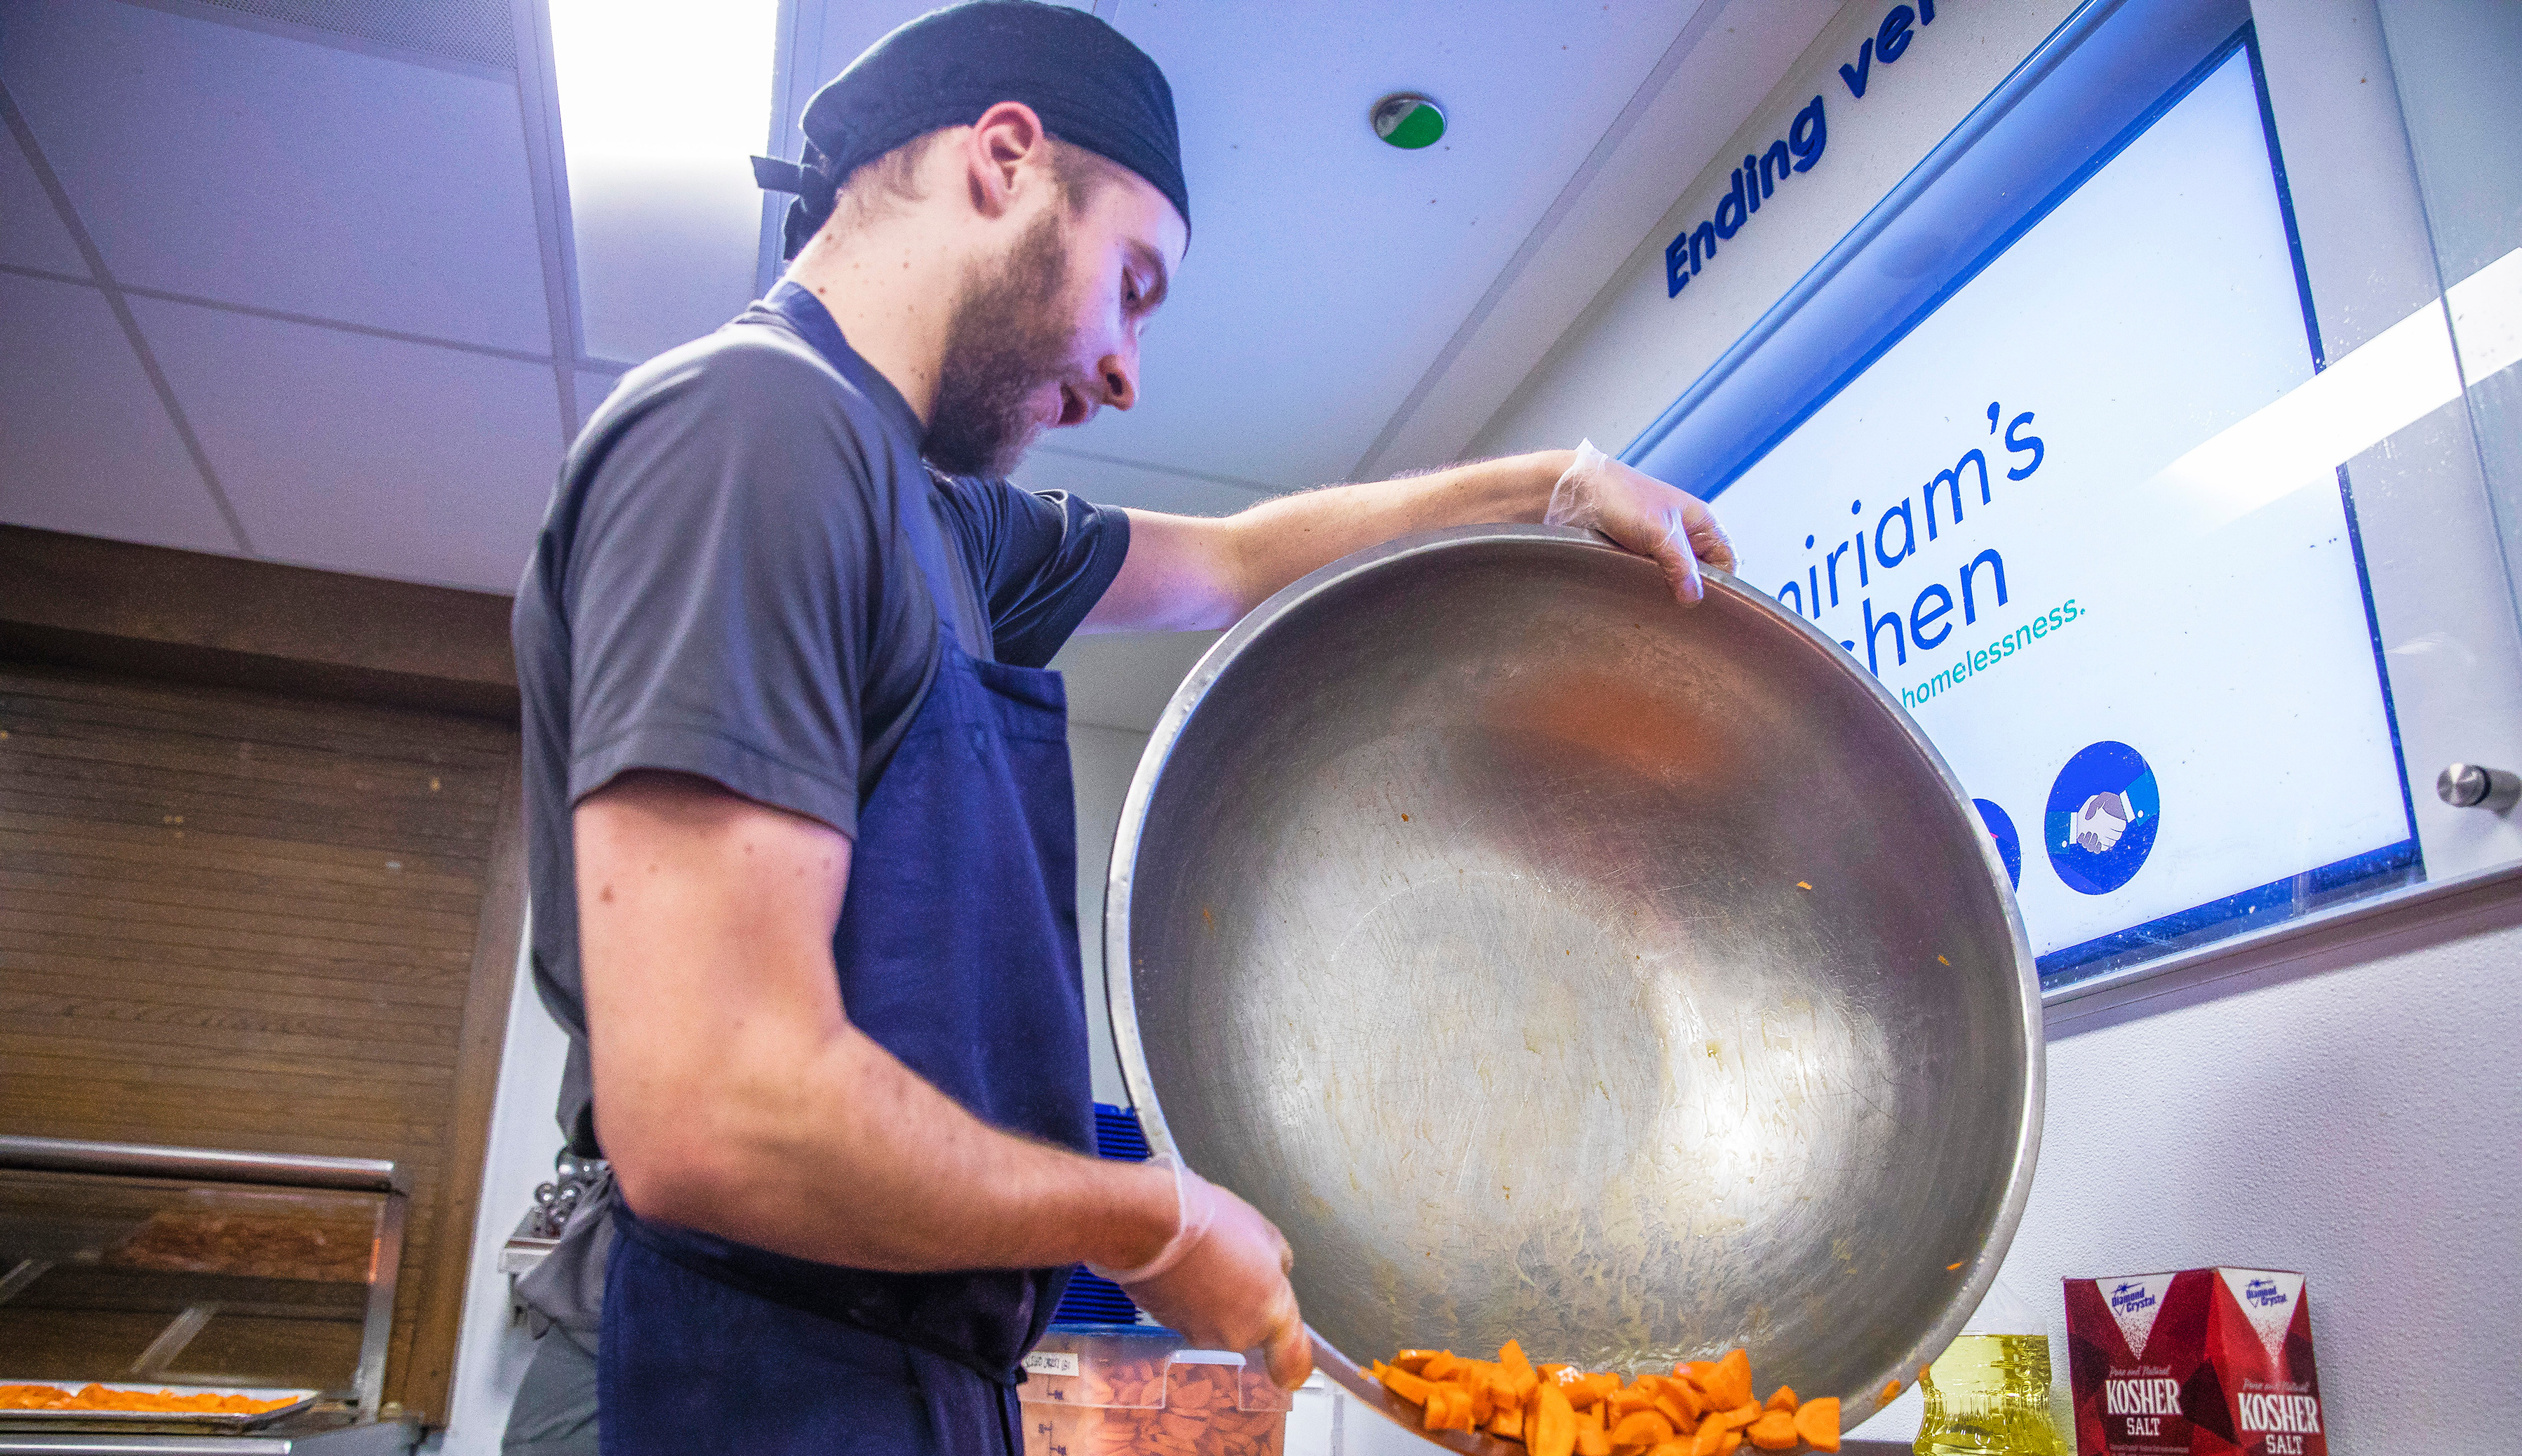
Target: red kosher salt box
{"x": 2200, "y": 1362}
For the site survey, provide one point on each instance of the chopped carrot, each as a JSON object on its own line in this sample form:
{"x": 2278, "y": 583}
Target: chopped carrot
{"x": 1774, "y": 1431}
{"x": 1783, "y": 1399}
{"x": 1817, "y": 1422}
{"x": 1408, "y": 1387}
{"x": 1416, "y": 1360}
{"x": 1690, "y": 1398}
{"x": 1735, "y": 1419}
{"x": 1641, "y": 1429}
{"x": 1729, "y": 1385}
{"x": 1682, "y": 1417}
{"x": 1552, "y": 1429}
{"x": 1585, "y": 1390}
{"x": 1512, "y": 1358}
{"x": 1890, "y": 1392}
{"x": 1449, "y": 1409}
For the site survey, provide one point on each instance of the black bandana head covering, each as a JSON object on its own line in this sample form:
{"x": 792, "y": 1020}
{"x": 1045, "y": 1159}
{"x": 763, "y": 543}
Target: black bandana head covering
{"x": 1090, "y": 85}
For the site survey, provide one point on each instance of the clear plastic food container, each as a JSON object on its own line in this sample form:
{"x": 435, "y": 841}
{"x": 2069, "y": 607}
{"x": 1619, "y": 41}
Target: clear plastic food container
{"x": 1108, "y": 1390}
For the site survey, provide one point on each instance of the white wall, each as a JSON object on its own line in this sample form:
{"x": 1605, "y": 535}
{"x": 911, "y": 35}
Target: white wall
{"x": 1634, "y": 349}
{"x": 2349, "y": 1107}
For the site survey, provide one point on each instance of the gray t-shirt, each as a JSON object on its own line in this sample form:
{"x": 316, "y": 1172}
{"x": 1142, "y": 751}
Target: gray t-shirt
{"x": 729, "y": 584}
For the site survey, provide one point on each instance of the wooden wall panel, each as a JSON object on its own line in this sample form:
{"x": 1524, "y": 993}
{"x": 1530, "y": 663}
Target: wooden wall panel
{"x": 233, "y": 918}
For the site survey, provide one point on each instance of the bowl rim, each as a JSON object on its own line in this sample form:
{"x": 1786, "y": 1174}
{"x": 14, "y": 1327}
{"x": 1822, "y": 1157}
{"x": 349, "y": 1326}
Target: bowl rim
{"x": 1121, "y": 1003}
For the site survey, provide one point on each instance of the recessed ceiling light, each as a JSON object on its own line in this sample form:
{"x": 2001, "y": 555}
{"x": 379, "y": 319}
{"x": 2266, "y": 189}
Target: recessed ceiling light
{"x": 1408, "y": 120}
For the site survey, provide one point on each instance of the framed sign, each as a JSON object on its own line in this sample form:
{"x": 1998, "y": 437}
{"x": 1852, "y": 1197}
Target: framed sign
{"x": 1983, "y": 456}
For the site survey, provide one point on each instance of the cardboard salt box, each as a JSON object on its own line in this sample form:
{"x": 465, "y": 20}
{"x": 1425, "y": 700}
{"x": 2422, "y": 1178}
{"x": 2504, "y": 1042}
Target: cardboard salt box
{"x": 2199, "y": 1362}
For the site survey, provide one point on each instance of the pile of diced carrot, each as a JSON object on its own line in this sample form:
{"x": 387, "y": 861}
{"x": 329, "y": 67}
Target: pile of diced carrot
{"x": 1704, "y": 1408}
{"x": 96, "y": 1397}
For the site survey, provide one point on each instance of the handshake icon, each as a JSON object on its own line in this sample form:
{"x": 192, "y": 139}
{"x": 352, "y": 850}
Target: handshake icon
{"x": 2098, "y": 825}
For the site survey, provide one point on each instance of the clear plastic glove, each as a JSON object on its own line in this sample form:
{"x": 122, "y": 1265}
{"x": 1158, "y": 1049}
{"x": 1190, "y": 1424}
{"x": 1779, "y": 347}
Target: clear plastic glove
{"x": 1222, "y": 1279}
{"x": 1644, "y": 514}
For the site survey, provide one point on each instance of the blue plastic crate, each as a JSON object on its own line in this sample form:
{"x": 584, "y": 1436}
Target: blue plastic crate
{"x": 1091, "y": 1300}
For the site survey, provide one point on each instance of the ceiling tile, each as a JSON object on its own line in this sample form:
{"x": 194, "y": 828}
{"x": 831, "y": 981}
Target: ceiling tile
{"x": 1700, "y": 102}
{"x": 1111, "y": 484}
{"x": 592, "y": 389}
{"x": 1326, "y": 269}
{"x": 85, "y": 444}
{"x": 362, "y": 454}
{"x": 32, "y": 234}
{"x": 229, "y": 164}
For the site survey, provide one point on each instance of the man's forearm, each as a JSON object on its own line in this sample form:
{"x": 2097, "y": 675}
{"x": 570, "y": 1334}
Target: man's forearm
{"x": 860, "y": 1161}
{"x": 734, "y": 1095}
{"x": 1187, "y": 572}
{"x": 1277, "y": 541}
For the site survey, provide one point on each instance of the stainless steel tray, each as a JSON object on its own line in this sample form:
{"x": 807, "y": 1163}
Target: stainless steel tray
{"x": 206, "y": 1421}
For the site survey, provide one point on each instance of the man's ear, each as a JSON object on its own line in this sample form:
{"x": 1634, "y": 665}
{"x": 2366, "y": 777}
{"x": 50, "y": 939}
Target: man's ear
{"x": 1005, "y": 151}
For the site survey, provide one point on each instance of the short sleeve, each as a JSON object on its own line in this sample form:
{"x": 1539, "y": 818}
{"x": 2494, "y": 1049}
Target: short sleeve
{"x": 724, "y": 589}
{"x": 1044, "y": 561}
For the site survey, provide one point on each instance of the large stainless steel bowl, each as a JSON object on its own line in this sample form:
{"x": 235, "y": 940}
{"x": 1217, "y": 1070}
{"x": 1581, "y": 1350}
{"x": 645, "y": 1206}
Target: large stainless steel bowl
{"x": 1552, "y": 962}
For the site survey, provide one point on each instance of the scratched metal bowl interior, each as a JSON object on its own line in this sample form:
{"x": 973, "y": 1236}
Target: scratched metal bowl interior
{"x": 1551, "y": 962}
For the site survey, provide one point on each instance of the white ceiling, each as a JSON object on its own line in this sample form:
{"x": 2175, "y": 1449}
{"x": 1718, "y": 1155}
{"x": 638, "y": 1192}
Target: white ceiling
{"x": 313, "y": 291}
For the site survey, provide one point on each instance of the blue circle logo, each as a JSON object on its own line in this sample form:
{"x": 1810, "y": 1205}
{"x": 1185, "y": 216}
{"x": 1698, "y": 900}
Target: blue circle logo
{"x": 2104, "y": 812}
{"x": 2009, "y": 844}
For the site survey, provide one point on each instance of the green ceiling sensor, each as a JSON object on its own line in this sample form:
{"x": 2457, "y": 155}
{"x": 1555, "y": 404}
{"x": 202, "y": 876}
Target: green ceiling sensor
{"x": 1408, "y": 120}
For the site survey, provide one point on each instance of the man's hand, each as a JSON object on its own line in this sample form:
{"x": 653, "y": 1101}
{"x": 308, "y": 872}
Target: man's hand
{"x": 1644, "y": 514}
{"x": 1223, "y": 1283}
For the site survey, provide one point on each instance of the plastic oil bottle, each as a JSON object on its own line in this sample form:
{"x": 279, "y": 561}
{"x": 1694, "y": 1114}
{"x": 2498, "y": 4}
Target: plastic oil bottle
{"x": 1988, "y": 1393}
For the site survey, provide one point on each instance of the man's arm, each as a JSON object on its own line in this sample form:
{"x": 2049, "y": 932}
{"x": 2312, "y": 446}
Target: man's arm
{"x": 1189, "y": 573}
{"x": 736, "y": 1096}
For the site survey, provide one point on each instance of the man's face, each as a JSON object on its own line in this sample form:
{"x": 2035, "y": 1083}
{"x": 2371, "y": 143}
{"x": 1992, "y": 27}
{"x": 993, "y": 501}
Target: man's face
{"x": 1049, "y": 334}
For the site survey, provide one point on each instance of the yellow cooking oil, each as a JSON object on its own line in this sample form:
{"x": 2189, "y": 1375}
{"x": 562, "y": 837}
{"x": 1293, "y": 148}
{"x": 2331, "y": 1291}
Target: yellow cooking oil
{"x": 1989, "y": 1396}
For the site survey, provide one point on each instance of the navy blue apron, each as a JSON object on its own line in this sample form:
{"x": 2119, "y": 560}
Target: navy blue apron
{"x": 957, "y": 951}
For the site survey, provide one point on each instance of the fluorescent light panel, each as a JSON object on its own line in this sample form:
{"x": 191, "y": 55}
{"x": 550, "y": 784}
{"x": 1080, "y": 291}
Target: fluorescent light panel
{"x": 661, "y": 103}
{"x": 658, "y": 80}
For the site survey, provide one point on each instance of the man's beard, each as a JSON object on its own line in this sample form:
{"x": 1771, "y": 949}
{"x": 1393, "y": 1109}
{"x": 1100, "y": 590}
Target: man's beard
{"x": 1003, "y": 342}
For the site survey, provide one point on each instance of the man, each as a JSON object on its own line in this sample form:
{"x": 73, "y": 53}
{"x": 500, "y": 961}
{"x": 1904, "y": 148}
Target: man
{"x": 800, "y": 832}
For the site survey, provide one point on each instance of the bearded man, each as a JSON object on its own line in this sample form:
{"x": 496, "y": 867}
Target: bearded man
{"x": 800, "y": 826}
